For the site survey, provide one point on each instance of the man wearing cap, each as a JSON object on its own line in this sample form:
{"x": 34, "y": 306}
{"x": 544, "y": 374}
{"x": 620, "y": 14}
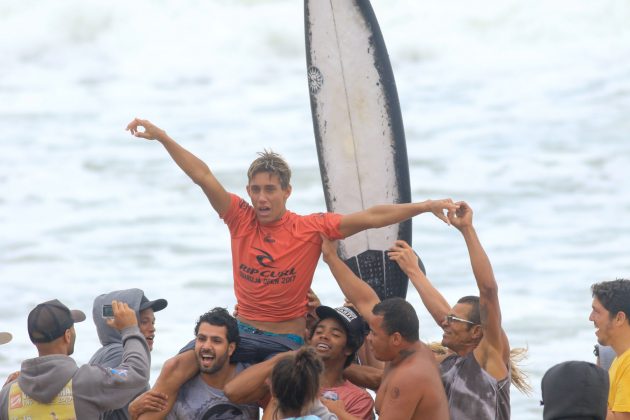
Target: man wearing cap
{"x": 336, "y": 338}
{"x": 110, "y": 354}
{"x": 53, "y": 386}
{"x": 611, "y": 316}
{"x": 574, "y": 390}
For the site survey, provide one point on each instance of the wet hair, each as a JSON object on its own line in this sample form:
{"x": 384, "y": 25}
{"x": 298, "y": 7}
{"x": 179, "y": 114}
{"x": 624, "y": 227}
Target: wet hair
{"x": 220, "y": 317}
{"x": 274, "y": 164}
{"x": 399, "y": 316}
{"x": 474, "y": 315}
{"x": 295, "y": 380}
{"x": 614, "y": 296}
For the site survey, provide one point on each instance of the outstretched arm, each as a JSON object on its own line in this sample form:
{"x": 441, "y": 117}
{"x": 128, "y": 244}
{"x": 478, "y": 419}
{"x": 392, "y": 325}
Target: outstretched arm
{"x": 194, "y": 167}
{"x": 362, "y": 296}
{"x": 494, "y": 344}
{"x": 250, "y": 385}
{"x": 388, "y": 214}
{"x": 432, "y": 299}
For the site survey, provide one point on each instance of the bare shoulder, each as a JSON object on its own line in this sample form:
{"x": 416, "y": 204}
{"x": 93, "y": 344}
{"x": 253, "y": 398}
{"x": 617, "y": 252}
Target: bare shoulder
{"x": 414, "y": 385}
{"x": 418, "y": 365}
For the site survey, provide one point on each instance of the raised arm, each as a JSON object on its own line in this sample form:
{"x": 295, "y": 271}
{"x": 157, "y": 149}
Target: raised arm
{"x": 432, "y": 299}
{"x": 362, "y": 296}
{"x": 388, "y": 214}
{"x": 118, "y": 385}
{"x": 194, "y": 167}
{"x": 494, "y": 343}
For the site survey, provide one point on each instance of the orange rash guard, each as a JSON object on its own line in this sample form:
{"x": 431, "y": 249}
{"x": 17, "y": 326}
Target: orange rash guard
{"x": 274, "y": 264}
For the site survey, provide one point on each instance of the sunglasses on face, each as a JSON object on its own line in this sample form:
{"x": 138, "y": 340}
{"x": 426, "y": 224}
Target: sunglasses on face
{"x": 451, "y": 318}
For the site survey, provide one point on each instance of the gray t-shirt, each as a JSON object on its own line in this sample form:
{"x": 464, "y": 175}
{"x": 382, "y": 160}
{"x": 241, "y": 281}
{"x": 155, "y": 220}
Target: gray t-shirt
{"x": 198, "y": 400}
{"x": 472, "y": 393}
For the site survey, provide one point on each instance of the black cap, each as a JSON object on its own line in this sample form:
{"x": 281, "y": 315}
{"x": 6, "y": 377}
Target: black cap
{"x": 50, "y": 320}
{"x": 575, "y": 390}
{"x": 156, "y": 305}
{"x": 355, "y": 326}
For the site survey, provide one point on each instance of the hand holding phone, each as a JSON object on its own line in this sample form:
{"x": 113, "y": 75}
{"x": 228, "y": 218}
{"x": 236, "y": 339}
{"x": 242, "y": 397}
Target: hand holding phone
{"x": 108, "y": 312}
{"x": 122, "y": 315}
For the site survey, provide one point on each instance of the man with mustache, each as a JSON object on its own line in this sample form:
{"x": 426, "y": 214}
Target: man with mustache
{"x": 202, "y": 397}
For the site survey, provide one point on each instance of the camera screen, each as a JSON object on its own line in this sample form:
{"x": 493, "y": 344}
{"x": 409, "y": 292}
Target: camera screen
{"x": 108, "y": 312}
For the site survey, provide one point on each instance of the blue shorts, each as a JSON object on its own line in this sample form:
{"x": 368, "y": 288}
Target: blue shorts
{"x": 257, "y": 345}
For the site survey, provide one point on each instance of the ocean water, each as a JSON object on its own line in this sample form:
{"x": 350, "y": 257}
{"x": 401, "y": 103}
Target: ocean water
{"x": 519, "y": 108}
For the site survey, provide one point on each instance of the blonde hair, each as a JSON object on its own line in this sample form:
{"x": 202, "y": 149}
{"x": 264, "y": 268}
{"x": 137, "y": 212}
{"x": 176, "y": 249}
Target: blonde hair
{"x": 273, "y": 163}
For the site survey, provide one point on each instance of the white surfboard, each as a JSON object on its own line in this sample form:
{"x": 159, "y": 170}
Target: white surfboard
{"x": 358, "y": 130}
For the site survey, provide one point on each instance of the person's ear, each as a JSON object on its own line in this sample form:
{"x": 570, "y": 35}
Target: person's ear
{"x": 67, "y": 336}
{"x": 396, "y": 339}
{"x": 287, "y": 192}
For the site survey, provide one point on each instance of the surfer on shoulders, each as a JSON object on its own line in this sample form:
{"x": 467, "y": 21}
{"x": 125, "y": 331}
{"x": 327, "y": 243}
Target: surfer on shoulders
{"x": 274, "y": 251}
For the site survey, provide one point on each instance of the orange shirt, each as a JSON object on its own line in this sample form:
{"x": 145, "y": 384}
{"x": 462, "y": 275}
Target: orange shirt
{"x": 274, "y": 264}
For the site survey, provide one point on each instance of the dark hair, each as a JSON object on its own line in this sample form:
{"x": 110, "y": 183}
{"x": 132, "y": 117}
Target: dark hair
{"x": 614, "y": 296}
{"x": 220, "y": 317}
{"x": 295, "y": 380}
{"x": 474, "y": 315}
{"x": 272, "y": 163}
{"x": 399, "y": 316}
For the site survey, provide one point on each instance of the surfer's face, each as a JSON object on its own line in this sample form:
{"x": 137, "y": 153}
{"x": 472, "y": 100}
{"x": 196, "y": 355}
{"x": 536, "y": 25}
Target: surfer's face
{"x": 267, "y": 196}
